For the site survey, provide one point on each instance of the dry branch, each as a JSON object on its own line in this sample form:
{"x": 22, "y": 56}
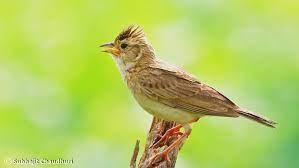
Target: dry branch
{"x": 158, "y": 128}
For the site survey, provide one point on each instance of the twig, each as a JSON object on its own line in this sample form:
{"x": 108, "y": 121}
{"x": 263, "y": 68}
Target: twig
{"x": 135, "y": 154}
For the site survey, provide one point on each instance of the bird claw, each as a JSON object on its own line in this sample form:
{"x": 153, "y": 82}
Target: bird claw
{"x": 156, "y": 140}
{"x": 176, "y": 143}
{"x": 162, "y": 155}
{"x": 167, "y": 135}
{"x": 164, "y": 139}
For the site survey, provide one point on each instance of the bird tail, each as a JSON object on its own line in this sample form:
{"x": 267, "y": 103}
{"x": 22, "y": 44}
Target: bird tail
{"x": 256, "y": 117}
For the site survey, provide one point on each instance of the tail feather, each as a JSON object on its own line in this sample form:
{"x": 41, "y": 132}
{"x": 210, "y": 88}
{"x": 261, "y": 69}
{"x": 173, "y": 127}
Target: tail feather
{"x": 258, "y": 118}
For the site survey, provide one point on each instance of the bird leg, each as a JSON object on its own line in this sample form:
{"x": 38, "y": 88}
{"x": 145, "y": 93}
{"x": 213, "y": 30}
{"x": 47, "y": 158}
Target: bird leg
{"x": 163, "y": 140}
{"x": 169, "y": 133}
{"x": 179, "y": 141}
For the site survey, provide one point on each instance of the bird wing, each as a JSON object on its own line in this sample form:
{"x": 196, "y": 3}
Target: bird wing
{"x": 175, "y": 88}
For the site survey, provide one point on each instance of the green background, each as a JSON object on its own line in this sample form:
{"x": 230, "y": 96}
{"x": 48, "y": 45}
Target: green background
{"x": 60, "y": 97}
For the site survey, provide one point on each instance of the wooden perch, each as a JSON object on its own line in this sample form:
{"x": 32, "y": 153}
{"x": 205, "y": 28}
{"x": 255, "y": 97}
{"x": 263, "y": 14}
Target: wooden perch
{"x": 158, "y": 128}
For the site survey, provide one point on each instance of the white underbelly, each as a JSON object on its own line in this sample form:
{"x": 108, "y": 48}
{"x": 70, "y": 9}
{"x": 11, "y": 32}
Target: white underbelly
{"x": 165, "y": 112}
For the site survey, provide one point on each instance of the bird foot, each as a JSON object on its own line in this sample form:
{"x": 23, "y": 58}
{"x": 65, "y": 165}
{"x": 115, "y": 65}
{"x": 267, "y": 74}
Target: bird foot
{"x": 176, "y": 143}
{"x": 174, "y": 131}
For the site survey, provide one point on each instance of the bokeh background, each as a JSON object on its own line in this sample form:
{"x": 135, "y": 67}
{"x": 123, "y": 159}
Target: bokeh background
{"x": 60, "y": 97}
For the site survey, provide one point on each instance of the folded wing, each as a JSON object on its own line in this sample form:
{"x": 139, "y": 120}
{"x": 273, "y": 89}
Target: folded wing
{"x": 175, "y": 88}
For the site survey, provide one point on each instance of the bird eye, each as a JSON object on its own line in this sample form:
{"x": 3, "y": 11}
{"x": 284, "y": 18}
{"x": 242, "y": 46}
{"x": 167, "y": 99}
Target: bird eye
{"x": 124, "y": 45}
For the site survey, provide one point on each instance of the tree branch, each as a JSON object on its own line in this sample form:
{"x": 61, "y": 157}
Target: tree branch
{"x": 135, "y": 154}
{"x": 158, "y": 128}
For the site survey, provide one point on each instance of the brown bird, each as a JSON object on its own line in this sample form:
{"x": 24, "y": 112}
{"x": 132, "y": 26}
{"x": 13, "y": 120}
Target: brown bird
{"x": 167, "y": 91}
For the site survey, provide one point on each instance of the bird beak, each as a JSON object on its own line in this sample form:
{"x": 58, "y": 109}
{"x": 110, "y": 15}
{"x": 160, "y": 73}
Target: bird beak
{"x": 110, "y": 48}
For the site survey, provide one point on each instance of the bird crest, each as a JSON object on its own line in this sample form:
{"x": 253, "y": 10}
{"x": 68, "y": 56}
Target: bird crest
{"x": 133, "y": 32}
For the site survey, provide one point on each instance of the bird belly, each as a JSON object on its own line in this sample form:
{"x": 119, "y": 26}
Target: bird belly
{"x": 165, "y": 112}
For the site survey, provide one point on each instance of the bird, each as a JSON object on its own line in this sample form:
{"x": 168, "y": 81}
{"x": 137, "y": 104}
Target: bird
{"x": 167, "y": 91}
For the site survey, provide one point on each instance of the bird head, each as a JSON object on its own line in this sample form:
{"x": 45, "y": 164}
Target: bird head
{"x": 129, "y": 46}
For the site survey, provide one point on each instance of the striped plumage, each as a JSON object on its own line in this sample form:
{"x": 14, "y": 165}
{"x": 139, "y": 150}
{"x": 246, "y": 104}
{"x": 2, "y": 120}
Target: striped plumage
{"x": 167, "y": 91}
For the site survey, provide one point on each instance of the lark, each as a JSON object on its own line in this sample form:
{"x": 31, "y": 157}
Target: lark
{"x": 166, "y": 91}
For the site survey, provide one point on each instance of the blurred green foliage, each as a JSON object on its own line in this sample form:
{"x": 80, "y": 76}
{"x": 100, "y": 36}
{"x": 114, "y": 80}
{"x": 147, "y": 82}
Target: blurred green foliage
{"x": 60, "y": 97}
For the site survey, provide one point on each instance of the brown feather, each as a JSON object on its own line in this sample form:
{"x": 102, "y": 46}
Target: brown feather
{"x": 131, "y": 32}
{"x": 183, "y": 91}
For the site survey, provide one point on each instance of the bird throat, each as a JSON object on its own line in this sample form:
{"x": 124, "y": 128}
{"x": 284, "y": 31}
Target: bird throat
{"x": 124, "y": 67}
